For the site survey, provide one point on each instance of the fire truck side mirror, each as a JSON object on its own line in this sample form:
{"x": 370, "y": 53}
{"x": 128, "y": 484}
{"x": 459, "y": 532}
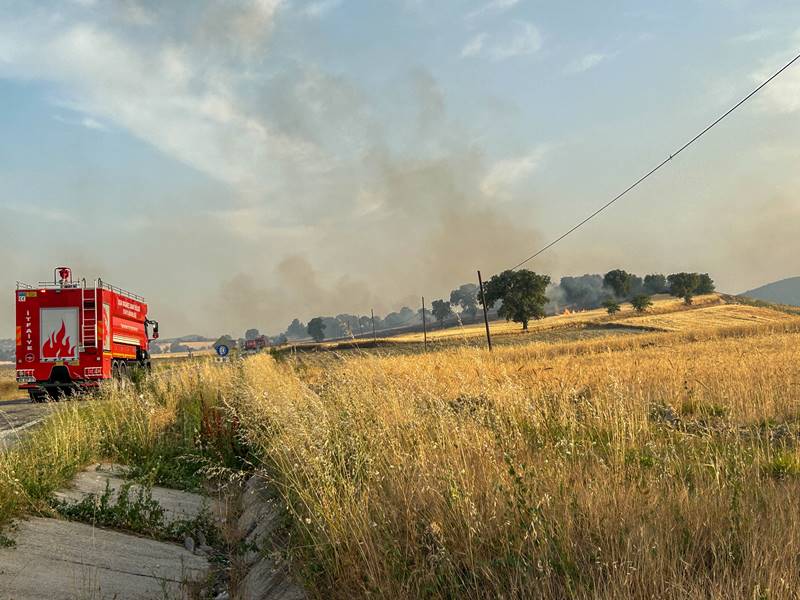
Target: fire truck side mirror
{"x": 155, "y": 331}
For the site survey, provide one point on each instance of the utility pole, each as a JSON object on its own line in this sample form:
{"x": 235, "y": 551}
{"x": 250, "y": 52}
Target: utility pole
{"x": 374, "y": 337}
{"x": 485, "y": 314}
{"x": 424, "y": 326}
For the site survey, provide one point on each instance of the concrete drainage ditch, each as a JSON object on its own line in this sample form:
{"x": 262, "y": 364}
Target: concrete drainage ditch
{"x": 114, "y": 539}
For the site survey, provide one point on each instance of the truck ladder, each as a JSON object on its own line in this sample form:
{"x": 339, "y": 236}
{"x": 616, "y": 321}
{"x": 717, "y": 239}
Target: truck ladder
{"x": 88, "y": 317}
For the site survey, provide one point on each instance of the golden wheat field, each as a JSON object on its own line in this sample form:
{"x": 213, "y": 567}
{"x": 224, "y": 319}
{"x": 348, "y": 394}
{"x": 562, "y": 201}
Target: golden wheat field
{"x": 568, "y": 319}
{"x": 661, "y": 465}
{"x": 664, "y": 466}
{"x": 711, "y": 317}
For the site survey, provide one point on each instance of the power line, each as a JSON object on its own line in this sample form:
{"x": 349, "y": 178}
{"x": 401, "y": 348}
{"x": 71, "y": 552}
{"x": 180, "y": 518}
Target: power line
{"x": 660, "y": 165}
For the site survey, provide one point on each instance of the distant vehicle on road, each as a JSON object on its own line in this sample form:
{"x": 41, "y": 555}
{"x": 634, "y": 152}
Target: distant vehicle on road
{"x": 256, "y": 344}
{"x": 72, "y": 334}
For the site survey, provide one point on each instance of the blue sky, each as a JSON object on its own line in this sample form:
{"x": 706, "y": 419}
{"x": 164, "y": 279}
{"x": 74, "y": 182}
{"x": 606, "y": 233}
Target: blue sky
{"x": 242, "y": 163}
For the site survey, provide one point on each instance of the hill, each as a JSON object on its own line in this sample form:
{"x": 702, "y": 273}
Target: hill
{"x": 785, "y": 291}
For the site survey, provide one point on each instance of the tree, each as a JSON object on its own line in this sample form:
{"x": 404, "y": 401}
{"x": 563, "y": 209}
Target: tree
{"x": 641, "y": 302}
{"x": 636, "y": 286}
{"x": 466, "y": 296}
{"x": 251, "y": 334}
{"x": 655, "y": 283}
{"x": 225, "y": 340}
{"x": 684, "y": 285}
{"x": 316, "y": 329}
{"x": 582, "y": 292}
{"x": 611, "y": 305}
{"x": 398, "y": 319}
{"x": 333, "y": 328}
{"x": 619, "y": 282}
{"x": 522, "y": 293}
{"x": 441, "y": 310}
{"x": 365, "y": 324}
{"x": 705, "y": 284}
{"x": 296, "y": 330}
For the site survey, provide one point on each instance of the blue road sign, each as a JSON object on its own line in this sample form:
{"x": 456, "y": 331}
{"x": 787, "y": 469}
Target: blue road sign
{"x": 223, "y": 350}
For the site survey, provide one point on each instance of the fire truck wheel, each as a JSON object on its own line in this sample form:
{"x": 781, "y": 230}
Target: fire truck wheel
{"x": 37, "y": 396}
{"x": 114, "y": 369}
{"x": 123, "y": 370}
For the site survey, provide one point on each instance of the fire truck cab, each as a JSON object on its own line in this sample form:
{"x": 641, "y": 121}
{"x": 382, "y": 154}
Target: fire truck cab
{"x": 72, "y": 334}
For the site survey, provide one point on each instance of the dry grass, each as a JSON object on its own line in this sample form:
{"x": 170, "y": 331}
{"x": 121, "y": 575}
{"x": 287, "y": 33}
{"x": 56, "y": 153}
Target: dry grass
{"x": 662, "y": 304}
{"x": 666, "y": 470}
{"x": 167, "y": 428}
{"x": 710, "y": 317}
{"x": 8, "y": 384}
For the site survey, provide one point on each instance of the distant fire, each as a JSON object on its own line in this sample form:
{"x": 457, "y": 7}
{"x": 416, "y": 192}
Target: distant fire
{"x": 58, "y": 346}
{"x": 566, "y": 312}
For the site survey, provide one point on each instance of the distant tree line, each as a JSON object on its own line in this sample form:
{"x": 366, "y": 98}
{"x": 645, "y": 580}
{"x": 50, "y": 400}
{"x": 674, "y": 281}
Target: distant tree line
{"x": 519, "y": 296}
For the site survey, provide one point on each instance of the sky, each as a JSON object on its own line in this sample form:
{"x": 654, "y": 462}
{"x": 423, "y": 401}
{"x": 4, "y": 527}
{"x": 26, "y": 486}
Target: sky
{"x": 242, "y": 163}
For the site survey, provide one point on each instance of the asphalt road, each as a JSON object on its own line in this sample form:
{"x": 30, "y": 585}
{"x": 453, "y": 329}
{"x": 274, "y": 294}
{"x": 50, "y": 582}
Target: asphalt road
{"x": 18, "y": 415}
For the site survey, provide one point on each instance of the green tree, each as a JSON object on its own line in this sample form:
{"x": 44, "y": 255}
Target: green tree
{"x": 316, "y": 329}
{"x": 296, "y": 330}
{"x": 619, "y": 282}
{"x": 641, "y": 302}
{"x": 611, "y": 305}
{"x": 705, "y": 284}
{"x": 441, "y": 310}
{"x": 684, "y": 285}
{"x": 655, "y": 283}
{"x": 251, "y": 334}
{"x": 466, "y": 296}
{"x": 521, "y": 292}
{"x": 636, "y": 285}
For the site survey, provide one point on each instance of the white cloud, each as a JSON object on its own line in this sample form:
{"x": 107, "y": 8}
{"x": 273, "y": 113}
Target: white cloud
{"x": 474, "y": 46}
{"x": 83, "y": 121}
{"x": 782, "y": 96}
{"x": 183, "y": 97}
{"x": 584, "y": 63}
{"x": 752, "y": 36}
{"x": 495, "y": 6}
{"x": 523, "y": 39}
{"x": 317, "y": 10}
{"x": 505, "y": 174}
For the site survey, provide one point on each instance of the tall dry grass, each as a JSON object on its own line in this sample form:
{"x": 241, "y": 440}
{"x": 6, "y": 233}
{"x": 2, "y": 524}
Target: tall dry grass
{"x": 168, "y": 428}
{"x": 669, "y": 470}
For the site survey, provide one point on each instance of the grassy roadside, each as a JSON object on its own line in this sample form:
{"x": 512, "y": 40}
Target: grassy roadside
{"x": 169, "y": 429}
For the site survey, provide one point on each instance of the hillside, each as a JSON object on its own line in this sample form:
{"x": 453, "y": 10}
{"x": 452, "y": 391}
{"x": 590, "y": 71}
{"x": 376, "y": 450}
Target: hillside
{"x": 666, "y": 314}
{"x": 785, "y": 291}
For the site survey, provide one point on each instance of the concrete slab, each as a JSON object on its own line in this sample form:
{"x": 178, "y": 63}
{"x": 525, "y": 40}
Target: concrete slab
{"x": 61, "y": 560}
{"x": 176, "y": 504}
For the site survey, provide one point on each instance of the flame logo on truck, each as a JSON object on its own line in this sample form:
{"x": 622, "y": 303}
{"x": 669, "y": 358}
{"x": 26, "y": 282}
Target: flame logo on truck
{"x": 58, "y": 346}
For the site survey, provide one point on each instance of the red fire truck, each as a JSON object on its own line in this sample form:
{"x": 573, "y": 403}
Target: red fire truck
{"x": 257, "y": 344}
{"x": 71, "y": 335}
